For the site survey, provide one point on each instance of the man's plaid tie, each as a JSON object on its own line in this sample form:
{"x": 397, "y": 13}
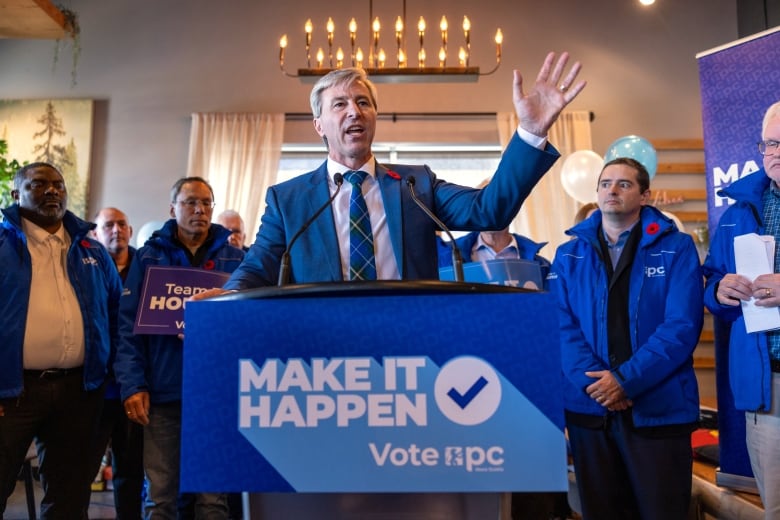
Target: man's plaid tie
{"x": 362, "y": 264}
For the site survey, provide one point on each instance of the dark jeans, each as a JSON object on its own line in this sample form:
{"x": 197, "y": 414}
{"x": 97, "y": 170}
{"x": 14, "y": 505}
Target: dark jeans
{"x": 62, "y": 418}
{"x": 127, "y": 445}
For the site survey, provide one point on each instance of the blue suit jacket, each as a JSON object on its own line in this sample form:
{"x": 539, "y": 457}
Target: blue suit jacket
{"x": 315, "y": 255}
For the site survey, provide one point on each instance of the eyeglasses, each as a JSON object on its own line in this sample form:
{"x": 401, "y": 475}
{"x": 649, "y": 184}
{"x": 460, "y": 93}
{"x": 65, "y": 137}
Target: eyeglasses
{"x": 769, "y": 146}
{"x": 194, "y": 203}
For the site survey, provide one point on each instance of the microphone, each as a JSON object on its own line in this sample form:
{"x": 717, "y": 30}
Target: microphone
{"x": 284, "y": 267}
{"x": 457, "y": 260}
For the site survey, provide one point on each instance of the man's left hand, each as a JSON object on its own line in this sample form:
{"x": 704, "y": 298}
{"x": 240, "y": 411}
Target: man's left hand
{"x": 607, "y": 391}
{"x": 539, "y": 108}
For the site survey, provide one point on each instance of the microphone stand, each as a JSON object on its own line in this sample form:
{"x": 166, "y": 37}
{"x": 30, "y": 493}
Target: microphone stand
{"x": 284, "y": 266}
{"x": 457, "y": 259}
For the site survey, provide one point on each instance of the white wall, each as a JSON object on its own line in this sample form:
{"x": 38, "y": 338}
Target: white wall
{"x": 150, "y": 64}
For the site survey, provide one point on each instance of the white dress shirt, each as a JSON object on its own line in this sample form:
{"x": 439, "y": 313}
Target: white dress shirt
{"x": 386, "y": 263}
{"x": 54, "y": 331}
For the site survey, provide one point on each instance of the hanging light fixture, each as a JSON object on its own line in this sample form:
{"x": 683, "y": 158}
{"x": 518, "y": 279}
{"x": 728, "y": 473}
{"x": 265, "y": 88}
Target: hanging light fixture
{"x": 408, "y": 66}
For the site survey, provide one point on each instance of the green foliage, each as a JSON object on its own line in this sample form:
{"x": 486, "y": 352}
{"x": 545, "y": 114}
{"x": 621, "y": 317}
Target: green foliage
{"x": 8, "y": 168}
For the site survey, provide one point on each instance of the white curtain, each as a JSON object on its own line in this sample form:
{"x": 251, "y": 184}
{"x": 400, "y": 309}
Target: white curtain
{"x": 549, "y": 210}
{"x": 239, "y": 155}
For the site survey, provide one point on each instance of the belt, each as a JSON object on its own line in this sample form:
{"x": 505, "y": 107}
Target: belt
{"x": 54, "y": 373}
{"x": 775, "y": 365}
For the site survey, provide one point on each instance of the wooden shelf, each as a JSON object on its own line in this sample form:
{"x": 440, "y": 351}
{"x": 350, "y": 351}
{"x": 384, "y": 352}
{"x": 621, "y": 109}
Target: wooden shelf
{"x": 678, "y": 144}
{"x": 681, "y": 168}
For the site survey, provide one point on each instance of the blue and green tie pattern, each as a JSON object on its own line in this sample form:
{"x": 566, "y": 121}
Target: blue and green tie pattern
{"x": 362, "y": 264}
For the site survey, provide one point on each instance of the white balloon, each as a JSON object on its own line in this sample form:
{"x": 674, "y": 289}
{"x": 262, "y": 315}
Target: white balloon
{"x": 145, "y": 231}
{"x": 580, "y": 174}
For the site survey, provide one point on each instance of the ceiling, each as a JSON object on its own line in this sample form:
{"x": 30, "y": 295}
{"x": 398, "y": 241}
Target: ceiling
{"x": 36, "y": 19}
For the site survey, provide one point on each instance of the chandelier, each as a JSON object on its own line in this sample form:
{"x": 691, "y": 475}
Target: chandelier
{"x": 405, "y": 61}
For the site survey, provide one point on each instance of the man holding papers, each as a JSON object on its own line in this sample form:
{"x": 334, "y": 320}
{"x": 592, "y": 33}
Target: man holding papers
{"x": 737, "y": 289}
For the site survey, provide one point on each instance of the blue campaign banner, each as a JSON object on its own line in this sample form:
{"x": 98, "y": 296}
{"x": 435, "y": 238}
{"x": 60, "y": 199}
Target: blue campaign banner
{"x": 739, "y": 81}
{"x": 163, "y": 295}
{"x": 510, "y": 272}
{"x": 420, "y": 393}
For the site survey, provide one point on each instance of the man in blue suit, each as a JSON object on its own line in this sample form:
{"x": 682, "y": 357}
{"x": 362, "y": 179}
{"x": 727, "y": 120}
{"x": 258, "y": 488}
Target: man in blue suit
{"x": 344, "y": 107}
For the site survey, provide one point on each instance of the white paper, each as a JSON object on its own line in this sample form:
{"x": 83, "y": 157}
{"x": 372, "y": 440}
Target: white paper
{"x": 754, "y": 255}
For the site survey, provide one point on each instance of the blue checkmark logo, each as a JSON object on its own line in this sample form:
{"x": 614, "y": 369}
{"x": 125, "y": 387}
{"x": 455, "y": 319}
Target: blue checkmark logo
{"x": 463, "y": 400}
{"x": 467, "y": 390}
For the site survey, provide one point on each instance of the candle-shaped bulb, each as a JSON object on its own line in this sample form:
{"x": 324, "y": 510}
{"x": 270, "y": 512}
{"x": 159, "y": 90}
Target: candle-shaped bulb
{"x": 375, "y": 26}
{"x": 339, "y": 58}
{"x": 443, "y": 24}
{"x": 421, "y": 58}
{"x": 462, "y": 57}
{"x": 359, "y": 57}
{"x": 352, "y": 27}
{"x": 499, "y": 37}
{"x": 399, "y": 25}
{"x": 283, "y": 42}
{"x": 466, "y": 24}
{"x": 330, "y": 26}
{"x": 421, "y": 25}
{"x": 320, "y": 57}
{"x": 381, "y": 57}
{"x": 401, "y": 58}
{"x": 442, "y": 57}
{"x": 308, "y": 28}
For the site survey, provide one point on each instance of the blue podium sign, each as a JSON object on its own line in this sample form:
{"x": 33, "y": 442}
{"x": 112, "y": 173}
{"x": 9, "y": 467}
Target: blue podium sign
{"x": 380, "y": 393}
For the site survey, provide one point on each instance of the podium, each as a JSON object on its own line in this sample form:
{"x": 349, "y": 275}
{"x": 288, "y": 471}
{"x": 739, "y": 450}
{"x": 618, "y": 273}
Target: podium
{"x": 373, "y": 400}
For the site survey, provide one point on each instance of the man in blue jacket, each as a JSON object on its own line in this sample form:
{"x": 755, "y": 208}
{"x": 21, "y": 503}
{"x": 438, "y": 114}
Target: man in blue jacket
{"x": 59, "y": 321}
{"x": 149, "y": 367}
{"x": 114, "y": 231}
{"x": 630, "y": 294}
{"x": 402, "y": 243}
{"x": 754, "y": 359}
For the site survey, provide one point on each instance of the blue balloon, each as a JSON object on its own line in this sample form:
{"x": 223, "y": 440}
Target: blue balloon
{"x": 636, "y": 148}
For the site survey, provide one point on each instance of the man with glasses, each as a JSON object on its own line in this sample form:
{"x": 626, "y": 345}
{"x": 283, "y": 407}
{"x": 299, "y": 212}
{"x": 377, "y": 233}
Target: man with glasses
{"x": 149, "y": 367}
{"x": 232, "y": 220}
{"x": 754, "y": 359}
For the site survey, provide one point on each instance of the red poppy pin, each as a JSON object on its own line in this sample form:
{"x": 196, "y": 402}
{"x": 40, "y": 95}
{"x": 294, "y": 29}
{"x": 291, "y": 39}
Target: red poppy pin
{"x": 652, "y": 228}
{"x": 209, "y": 265}
{"x": 394, "y": 175}
{"x": 85, "y": 243}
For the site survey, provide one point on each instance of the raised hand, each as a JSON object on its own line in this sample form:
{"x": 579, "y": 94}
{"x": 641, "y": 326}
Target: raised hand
{"x": 538, "y": 109}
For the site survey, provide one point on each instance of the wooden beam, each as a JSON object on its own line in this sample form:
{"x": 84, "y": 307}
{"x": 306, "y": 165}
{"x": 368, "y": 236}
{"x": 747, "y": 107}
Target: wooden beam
{"x": 35, "y": 19}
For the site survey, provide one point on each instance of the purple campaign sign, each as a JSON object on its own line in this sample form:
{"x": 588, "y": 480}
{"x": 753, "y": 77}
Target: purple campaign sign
{"x": 164, "y": 292}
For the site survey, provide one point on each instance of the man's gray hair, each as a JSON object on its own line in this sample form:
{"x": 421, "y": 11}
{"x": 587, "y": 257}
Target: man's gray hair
{"x": 336, "y": 77}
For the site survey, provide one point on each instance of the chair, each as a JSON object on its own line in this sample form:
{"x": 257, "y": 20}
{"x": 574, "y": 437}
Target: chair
{"x": 26, "y": 474}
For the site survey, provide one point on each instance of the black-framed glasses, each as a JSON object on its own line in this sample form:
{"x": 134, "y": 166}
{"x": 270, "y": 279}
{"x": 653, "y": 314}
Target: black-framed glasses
{"x": 194, "y": 203}
{"x": 768, "y": 146}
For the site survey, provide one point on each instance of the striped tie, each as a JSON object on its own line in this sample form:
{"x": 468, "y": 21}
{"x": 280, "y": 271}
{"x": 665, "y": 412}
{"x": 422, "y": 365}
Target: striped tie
{"x": 362, "y": 264}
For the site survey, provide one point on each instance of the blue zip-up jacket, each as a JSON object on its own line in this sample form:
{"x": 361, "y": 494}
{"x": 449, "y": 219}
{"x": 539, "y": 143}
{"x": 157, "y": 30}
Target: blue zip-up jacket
{"x": 149, "y": 362}
{"x": 526, "y": 248}
{"x": 749, "y": 370}
{"x": 665, "y": 305}
{"x": 94, "y": 279}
